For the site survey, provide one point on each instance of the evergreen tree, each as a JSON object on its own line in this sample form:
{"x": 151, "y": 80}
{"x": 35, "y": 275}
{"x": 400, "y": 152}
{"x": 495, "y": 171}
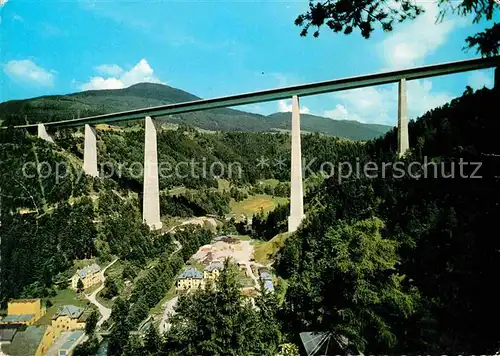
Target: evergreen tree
{"x": 120, "y": 332}
{"x": 79, "y": 285}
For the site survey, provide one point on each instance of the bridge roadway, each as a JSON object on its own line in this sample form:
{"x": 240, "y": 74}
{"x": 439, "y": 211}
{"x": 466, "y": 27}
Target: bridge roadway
{"x": 283, "y": 93}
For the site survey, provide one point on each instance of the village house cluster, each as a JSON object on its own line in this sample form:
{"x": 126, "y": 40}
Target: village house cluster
{"x": 192, "y": 278}
{"x": 20, "y": 333}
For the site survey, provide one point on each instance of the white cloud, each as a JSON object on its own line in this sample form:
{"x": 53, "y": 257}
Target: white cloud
{"x": 409, "y": 44}
{"x": 286, "y": 106}
{"x": 3, "y": 2}
{"x": 98, "y": 83}
{"x": 341, "y": 113}
{"x": 480, "y": 79}
{"x": 110, "y": 69}
{"x": 140, "y": 73}
{"x": 26, "y": 71}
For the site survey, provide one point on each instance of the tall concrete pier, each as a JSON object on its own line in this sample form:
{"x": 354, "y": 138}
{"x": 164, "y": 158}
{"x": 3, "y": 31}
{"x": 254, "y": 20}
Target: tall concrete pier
{"x": 90, "y": 152}
{"x": 43, "y": 134}
{"x": 403, "y": 140}
{"x": 296, "y": 189}
{"x": 151, "y": 196}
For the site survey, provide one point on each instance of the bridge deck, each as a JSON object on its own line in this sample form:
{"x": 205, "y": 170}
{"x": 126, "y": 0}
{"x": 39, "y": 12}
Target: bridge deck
{"x": 285, "y": 92}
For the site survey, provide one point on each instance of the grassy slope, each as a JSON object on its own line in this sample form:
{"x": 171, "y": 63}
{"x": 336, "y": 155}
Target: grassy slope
{"x": 63, "y": 297}
{"x": 265, "y": 252}
{"x": 254, "y": 203}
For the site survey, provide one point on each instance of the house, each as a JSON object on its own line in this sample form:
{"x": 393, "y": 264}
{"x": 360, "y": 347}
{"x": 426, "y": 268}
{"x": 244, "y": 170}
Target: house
{"x": 189, "y": 279}
{"x": 89, "y": 275}
{"x": 212, "y": 271}
{"x": 23, "y": 311}
{"x": 67, "y": 318}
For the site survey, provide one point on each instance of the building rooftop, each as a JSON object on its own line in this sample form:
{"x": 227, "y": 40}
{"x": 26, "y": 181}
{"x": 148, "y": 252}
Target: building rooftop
{"x": 7, "y": 332}
{"x": 265, "y": 276}
{"x": 66, "y": 341}
{"x": 191, "y": 272}
{"x": 20, "y": 318}
{"x": 69, "y": 311}
{"x": 90, "y": 269}
{"x": 214, "y": 266}
{"x": 324, "y": 343}
{"x": 71, "y": 339}
{"x": 269, "y": 286}
{"x": 25, "y": 342}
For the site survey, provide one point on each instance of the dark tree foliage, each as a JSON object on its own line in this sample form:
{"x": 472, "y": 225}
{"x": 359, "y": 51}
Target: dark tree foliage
{"x": 111, "y": 288}
{"x": 119, "y": 337}
{"x": 486, "y": 41}
{"x": 88, "y": 348}
{"x": 194, "y": 160}
{"x": 267, "y": 226}
{"x": 199, "y": 203}
{"x": 58, "y": 237}
{"x": 346, "y": 16}
{"x": 79, "y": 285}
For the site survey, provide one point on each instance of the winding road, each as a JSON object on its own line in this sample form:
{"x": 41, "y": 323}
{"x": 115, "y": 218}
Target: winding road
{"x": 105, "y": 312}
{"x": 251, "y": 275}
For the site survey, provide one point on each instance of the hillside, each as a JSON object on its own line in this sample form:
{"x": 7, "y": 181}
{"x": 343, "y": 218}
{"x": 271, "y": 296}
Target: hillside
{"x": 95, "y": 102}
{"x": 412, "y": 253}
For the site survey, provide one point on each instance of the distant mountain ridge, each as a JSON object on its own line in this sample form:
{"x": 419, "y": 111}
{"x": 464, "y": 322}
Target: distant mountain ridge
{"x": 96, "y": 102}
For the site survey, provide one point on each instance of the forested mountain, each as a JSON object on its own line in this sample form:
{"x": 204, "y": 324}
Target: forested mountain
{"x": 403, "y": 263}
{"x": 95, "y": 102}
{"x": 400, "y": 260}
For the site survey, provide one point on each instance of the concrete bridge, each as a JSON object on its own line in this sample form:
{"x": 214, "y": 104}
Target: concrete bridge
{"x": 151, "y": 200}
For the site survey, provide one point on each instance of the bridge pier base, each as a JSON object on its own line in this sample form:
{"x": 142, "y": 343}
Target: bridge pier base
{"x": 90, "y": 152}
{"x": 43, "y": 134}
{"x": 403, "y": 140}
{"x": 296, "y": 189}
{"x": 151, "y": 196}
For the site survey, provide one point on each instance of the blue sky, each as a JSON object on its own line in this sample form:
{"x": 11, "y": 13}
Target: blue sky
{"x": 215, "y": 48}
